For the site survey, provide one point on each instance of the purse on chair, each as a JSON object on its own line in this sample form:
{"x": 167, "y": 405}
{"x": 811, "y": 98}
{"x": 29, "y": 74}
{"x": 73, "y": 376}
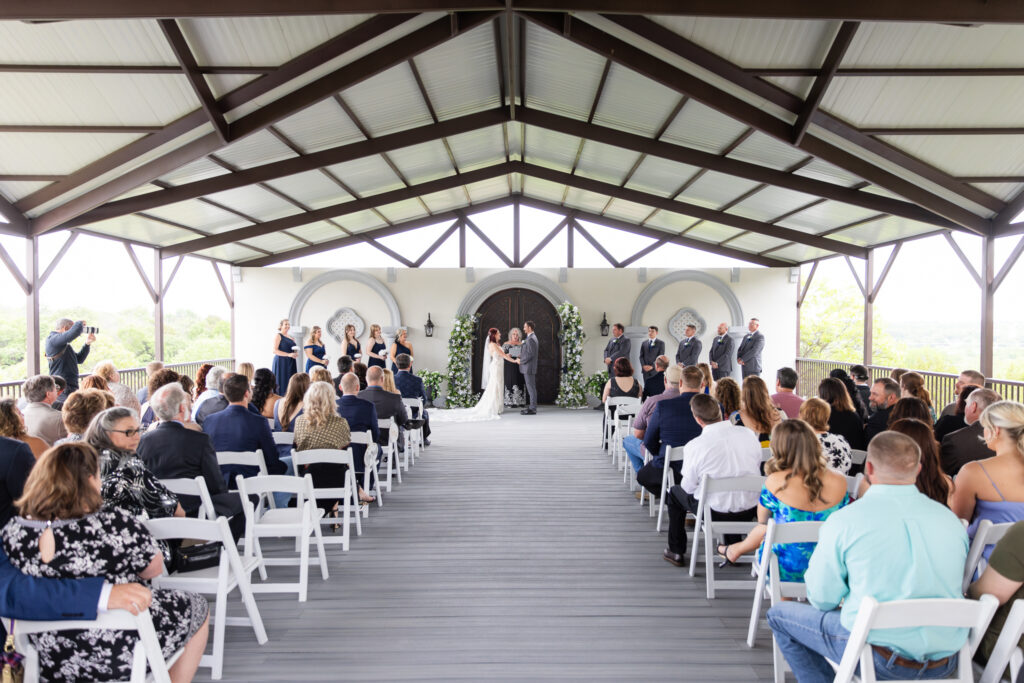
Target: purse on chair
{"x": 191, "y": 558}
{"x": 13, "y": 669}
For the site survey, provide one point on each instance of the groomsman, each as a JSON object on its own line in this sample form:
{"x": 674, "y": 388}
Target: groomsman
{"x": 689, "y": 349}
{"x": 649, "y": 352}
{"x": 749, "y": 353}
{"x": 618, "y": 347}
{"x": 721, "y": 353}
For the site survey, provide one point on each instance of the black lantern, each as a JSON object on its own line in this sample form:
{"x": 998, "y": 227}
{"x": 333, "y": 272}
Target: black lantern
{"x": 604, "y": 325}
{"x": 429, "y": 327}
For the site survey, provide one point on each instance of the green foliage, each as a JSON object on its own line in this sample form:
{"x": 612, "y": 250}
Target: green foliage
{"x": 572, "y": 387}
{"x": 596, "y": 382}
{"x": 460, "y": 354}
{"x": 432, "y": 381}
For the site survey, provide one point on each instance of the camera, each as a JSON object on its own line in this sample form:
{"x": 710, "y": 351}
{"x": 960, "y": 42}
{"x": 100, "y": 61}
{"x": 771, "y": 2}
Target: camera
{"x": 91, "y": 330}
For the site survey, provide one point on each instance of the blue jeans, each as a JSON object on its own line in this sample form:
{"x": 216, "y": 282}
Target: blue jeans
{"x": 281, "y": 499}
{"x": 634, "y": 448}
{"x": 806, "y": 636}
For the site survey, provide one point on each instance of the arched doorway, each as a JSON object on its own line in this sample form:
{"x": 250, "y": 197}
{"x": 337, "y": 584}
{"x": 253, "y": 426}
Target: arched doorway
{"x": 511, "y": 308}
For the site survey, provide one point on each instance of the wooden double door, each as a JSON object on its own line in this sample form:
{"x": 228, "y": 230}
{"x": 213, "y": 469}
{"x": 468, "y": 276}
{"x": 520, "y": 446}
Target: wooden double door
{"x": 511, "y": 308}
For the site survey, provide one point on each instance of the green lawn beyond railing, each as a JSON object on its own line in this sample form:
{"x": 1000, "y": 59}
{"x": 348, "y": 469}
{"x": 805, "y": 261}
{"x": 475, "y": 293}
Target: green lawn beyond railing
{"x": 132, "y": 377}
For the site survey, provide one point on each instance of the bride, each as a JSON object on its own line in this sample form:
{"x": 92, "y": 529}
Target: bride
{"x": 492, "y": 403}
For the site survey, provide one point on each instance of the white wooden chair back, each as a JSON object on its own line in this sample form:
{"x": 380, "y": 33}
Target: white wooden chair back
{"x": 369, "y": 465}
{"x": 710, "y": 529}
{"x": 766, "y": 454}
{"x": 346, "y": 493}
{"x": 946, "y": 612}
{"x": 284, "y": 438}
{"x": 193, "y": 487}
{"x": 245, "y": 458}
{"x": 672, "y": 454}
{"x": 1007, "y": 652}
{"x": 986, "y": 534}
{"x": 390, "y": 451}
{"x": 413, "y": 437}
{"x": 858, "y": 456}
{"x": 616, "y": 401}
{"x": 853, "y": 485}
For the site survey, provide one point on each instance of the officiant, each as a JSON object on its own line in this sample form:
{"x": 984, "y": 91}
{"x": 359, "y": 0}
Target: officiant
{"x": 515, "y": 383}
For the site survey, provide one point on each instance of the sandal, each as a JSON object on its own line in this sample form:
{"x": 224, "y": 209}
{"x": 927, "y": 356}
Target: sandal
{"x": 723, "y": 551}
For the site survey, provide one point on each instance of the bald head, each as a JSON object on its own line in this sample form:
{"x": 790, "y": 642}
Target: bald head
{"x": 349, "y": 384}
{"x": 893, "y": 458}
{"x": 375, "y": 376}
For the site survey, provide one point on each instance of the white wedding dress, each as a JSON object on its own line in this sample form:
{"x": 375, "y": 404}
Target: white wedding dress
{"x": 491, "y": 404}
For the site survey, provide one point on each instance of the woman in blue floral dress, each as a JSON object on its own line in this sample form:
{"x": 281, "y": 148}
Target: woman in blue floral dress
{"x": 799, "y": 487}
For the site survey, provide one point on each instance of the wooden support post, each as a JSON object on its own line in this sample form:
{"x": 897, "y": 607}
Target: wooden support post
{"x": 515, "y": 234}
{"x": 569, "y": 230}
{"x": 158, "y": 306}
{"x": 988, "y": 290}
{"x": 33, "y": 358}
{"x": 869, "y": 307}
{"x": 462, "y": 244}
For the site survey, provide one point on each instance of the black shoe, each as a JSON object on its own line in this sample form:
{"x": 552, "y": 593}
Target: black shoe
{"x": 674, "y": 558}
{"x": 426, "y": 442}
{"x": 599, "y": 407}
{"x": 528, "y": 412}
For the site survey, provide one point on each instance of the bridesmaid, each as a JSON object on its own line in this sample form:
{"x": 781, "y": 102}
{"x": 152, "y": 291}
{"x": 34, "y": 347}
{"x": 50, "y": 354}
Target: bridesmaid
{"x": 352, "y": 347}
{"x": 399, "y": 346}
{"x": 316, "y": 352}
{"x": 285, "y": 354}
{"x": 377, "y": 348}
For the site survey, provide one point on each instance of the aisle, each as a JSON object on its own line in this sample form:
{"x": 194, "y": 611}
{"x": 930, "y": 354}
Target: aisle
{"x": 511, "y": 552}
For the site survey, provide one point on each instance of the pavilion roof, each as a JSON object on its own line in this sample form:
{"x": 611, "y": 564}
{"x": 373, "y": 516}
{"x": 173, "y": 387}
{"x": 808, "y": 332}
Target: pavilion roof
{"x": 778, "y": 132}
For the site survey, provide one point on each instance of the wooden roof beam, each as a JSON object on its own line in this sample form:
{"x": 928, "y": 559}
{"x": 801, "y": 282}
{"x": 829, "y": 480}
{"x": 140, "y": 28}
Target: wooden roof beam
{"x": 182, "y": 52}
{"x": 835, "y": 55}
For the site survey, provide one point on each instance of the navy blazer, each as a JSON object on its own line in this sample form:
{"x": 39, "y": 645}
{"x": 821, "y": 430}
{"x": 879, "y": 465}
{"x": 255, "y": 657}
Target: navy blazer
{"x": 238, "y": 429}
{"x": 671, "y": 424}
{"x": 361, "y": 416}
{"x": 16, "y": 461}
{"x": 37, "y": 599}
{"x": 410, "y": 386}
{"x": 654, "y": 385}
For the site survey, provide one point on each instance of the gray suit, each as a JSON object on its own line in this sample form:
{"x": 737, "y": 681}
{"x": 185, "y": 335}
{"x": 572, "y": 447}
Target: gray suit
{"x": 528, "y": 366}
{"x": 388, "y": 405}
{"x": 649, "y": 353}
{"x": 617, "y": 347}
{"x": 750, "y": 353}
{"x": 961, "y": 447}
{"x": 689, "y": 351}
{"x": 721, "y": 353}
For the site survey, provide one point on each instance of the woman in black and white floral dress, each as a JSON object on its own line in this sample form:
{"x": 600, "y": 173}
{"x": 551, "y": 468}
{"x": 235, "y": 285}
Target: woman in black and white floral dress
{"x": 63, "y": 533}
{"x": 834, "y": 447}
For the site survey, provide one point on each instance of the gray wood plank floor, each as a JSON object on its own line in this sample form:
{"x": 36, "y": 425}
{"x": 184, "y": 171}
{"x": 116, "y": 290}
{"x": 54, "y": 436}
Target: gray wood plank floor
{"x": 512, "y": 551}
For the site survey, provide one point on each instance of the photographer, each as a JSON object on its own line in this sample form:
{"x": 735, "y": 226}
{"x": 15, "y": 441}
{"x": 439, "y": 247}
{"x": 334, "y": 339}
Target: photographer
{"x": 63, "y": 359}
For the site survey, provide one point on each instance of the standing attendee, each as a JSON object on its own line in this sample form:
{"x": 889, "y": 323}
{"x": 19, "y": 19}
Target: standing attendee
{"x": 350, "y": 346}
{"x": 671, "y": 424}
{"x": 860, "y": 377}
{"x": 650, "y": 351}
{"x": 718, "y": 449}
{"x": 316, "y": 352}
{"x": 528, "y": 366}
{"x": 41, "y": 420}
{"x": 375, "y": 356}
{"x": 884, "y": 394}
{"x": 842, "y": 418}
{"x": 361, "y": 416}
{"x": 285, "y": 353}
{"x": 748, "y": 355}
{"x": 688, "y": 351}
{"x": 894, "y": 544}
{"x": 236, "y": 428}
{"x": 834, "y": 447}
{"x": 633, "y": 444}
{"x": 411, "y": 386}
{"x": 720, "y": 355}
{"x": 785, "y": 397}
{"x": 12, "y": 426}
{"x": 515, "y": 385}
{"x": 123, "y": 395}
{"x": 655, "y": 383}
{"x": 617, "y": 347}
{"x": 400, "y": 345}
{"x": 63, "y": 359}
{"x": 387, "y": 404}
{"x": 213, "y": 379}
{"x": 263, "y": 395}
{"x": 966, "y": 378}
{"x": 968, "y": 444}
{"x": 320, "y": 426}
{"x": 152, "y": 368}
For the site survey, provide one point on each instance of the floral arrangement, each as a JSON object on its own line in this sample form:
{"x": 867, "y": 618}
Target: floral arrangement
{"x": 572, "y": 388}
{"x": 432, "y": 381}
{"x": 595, "y": 384}
{"x": 460, "y": 354}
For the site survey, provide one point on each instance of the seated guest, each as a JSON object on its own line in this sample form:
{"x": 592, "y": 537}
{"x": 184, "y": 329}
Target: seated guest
{"x": 151, "y": 367}
{"x": 320, "y": 426}
{"x": 361, "y": 416}
{"x": 264, "y": 394}
{"x": 411, "y": 386}
{"x": 950, "y": 422}
{"x": 912, "y": 386}
{"x": 896, "y": 373}
{"x": 212, "y": 390}
{"x": 388, "y": 381}
{"x": 967, "y": 444}
{"x": 320, "y": 374}
{"x": 344, "y": 367}
{"x": 860, "y": 377}
{"x": 170, "y": 451}
{"x": 290, "y": 406}
{"x": 215, "y": 404}
{"x": 931, "y": 481}
{"x": 236, "y": 428}
{"x": 709, "y": 381}
{"x": 248, "y": 370}
{"x": 816, "y": 492}
{"x": 93, "y": 382}
{"x": 654, "y": 384}
{"x": 842, "y": 418}
{"x": 360, "y": 371}
{"x": 913, "y": 408}
{"x": 41, "y": 419}
{"x": 16, "y": 461}
{"x": 720, "y": 450}
{"x": 834, "y": 447}
{"x": 79, "y": 410}
{"x": 188, "y": 385}
{"x": 622, "y": 382}
{"x": 200, "y": 387}
{"x": 861, "y": 408}
{"x": 757, "y": 412}
{"x": 160, "y": 378}
{"x": 1004, "y": 579}
{"x": 387, "y": 404}
{"x": 633, "y": 444}
{"x": 727, "y": 393}
{"x": 126, "y": 482}
{"x": 12, "y": 426}
{"x": 894, "y": 544}
{"x": 65, "y": 532}
{"x": 884, "y": 394}
{"x": 977, "y": 496}
{"x": 967, "y": 378}
{"x": 784, "y": 396}
{"x": 671, "y": 424}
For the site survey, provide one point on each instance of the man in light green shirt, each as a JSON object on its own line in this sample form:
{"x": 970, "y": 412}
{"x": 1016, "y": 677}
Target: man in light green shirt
{"x": 894, "y": 543}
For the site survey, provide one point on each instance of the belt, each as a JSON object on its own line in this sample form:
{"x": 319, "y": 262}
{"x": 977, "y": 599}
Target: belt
{"x": 909, "y": 663}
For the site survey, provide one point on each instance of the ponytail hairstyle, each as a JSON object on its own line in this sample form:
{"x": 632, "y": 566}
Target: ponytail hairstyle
{"x": 913, "y": 384}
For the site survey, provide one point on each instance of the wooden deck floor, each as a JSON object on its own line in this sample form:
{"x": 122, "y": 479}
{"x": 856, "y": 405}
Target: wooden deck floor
{"x": 512, "y": 551}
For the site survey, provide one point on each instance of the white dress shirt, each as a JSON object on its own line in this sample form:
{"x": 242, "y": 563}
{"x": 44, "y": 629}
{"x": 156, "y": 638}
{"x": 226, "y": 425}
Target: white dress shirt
{"x": 722, "y": 450}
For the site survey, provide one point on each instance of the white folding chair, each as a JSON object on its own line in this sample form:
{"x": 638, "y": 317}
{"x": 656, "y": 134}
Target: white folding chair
{"x": 413, "y": 437}
{"x": 370, "y": 467}
{"x": 672, "y": 454}
{"x": 608, "y": 429}
{"x": 247, "y": 459}
{"x": 232, "y": 572}
{"x": 1007, "y": 652}
{"x": 858, "y": 457}
{"x": 193, "y": 487}
{"x": 987, "y": 534}
{"x": 766, "y": 454}
{"x": 147, "y": 648}
{"x": 945, "y": 612}
{"x": 348, "y": 494}
{"x": 853, "y": 485}
{"x": 710, "y": 529}
{"x": 298, "y": 523}
{"x": 624, "y": 416}
{"x": 284, "y": 438}
{"x": 390, "y": 451}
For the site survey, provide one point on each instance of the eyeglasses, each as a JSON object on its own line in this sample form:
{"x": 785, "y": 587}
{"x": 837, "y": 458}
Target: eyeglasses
{"x": 127, "y": 432}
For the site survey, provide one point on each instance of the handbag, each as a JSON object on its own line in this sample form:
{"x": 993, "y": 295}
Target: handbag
{"x": 13, "y": 669}
{"x": 194, "y": 557}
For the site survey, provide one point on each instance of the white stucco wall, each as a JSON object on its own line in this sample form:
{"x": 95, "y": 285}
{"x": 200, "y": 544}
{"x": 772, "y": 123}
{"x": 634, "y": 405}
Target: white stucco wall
{"x": 265, "y": 295}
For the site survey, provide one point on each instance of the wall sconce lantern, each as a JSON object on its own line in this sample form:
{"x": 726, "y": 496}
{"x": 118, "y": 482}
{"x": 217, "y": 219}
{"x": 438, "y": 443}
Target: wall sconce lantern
{"x": 604, "y": 325}
{"x": 429, "y": 327}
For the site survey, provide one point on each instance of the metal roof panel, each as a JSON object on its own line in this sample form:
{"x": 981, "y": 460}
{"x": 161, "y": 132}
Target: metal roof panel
{"x": 388, "y": 102}
{"x": 703, "y": 128}
{"x": 634, "y": 103}
{"x": 460, "y": 76}
{"x": 568, "y": 89}
{"x": 320, "y": 127}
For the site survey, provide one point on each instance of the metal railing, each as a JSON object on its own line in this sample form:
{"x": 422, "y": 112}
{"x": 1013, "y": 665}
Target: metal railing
{"x": 940, "y": 385}
{"x": 135, "y": 378}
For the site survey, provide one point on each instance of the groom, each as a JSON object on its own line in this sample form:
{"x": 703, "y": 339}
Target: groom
{"x": 528, "y": 366}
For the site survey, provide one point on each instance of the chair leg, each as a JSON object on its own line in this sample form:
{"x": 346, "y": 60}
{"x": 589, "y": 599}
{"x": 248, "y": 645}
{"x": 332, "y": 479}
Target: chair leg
{"x": 318, "y": 536}
{"x": 304, "y": 564}
{"x": 709, "y": 564}
{"x": 249, "y": 601}
{"x": 219, "y": 624}
{"x": 755, "y": 612}
{"x": 778, "y": 663}
{"x": 258, "y": 553}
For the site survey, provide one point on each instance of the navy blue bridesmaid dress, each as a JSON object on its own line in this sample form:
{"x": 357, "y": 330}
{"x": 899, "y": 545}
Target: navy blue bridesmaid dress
{"x": 283, "y": 366}
{"x": 319, "y": 351}
{"x": 380, "y": 348}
